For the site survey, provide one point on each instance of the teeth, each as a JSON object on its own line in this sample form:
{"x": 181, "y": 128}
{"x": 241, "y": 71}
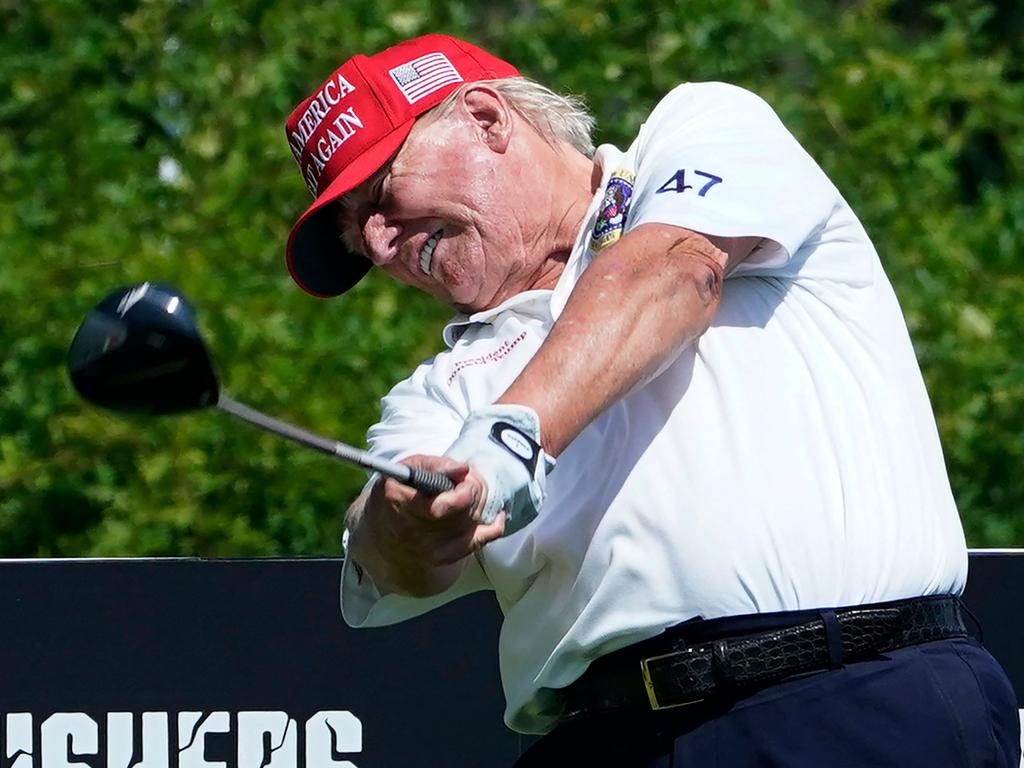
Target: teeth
{"x": 427, "y": 252}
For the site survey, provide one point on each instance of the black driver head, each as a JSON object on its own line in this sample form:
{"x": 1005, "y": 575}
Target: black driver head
{"x": 139, "y": 350}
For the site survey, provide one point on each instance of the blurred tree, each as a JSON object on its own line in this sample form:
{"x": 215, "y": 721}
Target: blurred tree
{"x": 144, "y": 141}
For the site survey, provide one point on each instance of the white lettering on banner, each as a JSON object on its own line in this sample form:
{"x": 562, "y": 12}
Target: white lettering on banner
{"x": 328, "y": 96}
{"x": 18, "y": 744}
{"x": 329, "y": 733}
{"x": 264, "y": 739}
{"x": 121, "y": 747}
{"x": 65, "y": 735}
{"x": 192, "y": 730}
{"x": 253, "y": 727}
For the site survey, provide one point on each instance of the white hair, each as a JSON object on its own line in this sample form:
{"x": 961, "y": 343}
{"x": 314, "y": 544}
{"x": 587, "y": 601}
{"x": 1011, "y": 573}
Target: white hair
{"x": 554, "y": 116}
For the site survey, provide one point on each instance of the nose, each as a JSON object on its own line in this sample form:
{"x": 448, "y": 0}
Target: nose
{"x": 381, "y": 238}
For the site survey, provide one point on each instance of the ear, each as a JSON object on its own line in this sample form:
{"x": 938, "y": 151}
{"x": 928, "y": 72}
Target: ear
{"x": 491, "y": 114}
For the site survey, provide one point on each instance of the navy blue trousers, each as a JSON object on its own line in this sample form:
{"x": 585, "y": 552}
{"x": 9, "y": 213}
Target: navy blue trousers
{"x": 944, "y": 704}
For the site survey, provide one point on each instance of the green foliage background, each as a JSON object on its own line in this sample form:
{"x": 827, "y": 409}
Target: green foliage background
{"x": 916, "y": 110}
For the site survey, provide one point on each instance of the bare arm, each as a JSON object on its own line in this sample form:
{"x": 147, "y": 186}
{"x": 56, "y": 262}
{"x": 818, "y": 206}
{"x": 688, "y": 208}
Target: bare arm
{"x": 635, "y": 308}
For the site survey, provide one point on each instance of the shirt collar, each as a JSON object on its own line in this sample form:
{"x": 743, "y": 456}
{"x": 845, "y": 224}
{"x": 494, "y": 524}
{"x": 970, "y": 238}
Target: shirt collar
{"x": 532, "y": 303}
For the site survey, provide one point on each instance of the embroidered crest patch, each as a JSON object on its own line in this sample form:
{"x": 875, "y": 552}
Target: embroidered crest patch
{"x": 611, "y": 218}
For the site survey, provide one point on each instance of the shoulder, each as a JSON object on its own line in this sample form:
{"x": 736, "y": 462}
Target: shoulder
{"x": 709, "y": 102}
{"x": 703, "y": 95}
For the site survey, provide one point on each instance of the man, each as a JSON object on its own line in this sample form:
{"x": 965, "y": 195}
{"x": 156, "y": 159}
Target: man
{"x": 747, "y": 552}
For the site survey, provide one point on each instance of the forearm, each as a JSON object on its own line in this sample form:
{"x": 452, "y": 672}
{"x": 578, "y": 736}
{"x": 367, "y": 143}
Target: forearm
{"x": 634, "y": 309}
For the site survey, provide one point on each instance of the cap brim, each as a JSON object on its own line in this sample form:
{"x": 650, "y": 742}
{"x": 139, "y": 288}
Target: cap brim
{"x": 317, "y": 257}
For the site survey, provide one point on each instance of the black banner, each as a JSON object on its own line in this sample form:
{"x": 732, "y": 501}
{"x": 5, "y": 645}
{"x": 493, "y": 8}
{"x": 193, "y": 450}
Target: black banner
{"x": 248, "y": 664}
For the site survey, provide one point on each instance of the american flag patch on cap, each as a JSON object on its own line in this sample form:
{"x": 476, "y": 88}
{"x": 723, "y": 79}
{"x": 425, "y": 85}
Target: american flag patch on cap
{"x": 421, "y": 77}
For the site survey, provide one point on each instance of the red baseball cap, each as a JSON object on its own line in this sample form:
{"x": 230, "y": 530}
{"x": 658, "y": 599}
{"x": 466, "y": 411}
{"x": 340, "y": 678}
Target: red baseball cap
{"x": 351, "y": 125}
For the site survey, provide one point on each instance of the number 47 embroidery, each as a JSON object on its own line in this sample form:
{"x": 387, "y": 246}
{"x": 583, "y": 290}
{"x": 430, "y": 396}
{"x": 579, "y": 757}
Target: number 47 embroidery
{"x": 678, "y": 182}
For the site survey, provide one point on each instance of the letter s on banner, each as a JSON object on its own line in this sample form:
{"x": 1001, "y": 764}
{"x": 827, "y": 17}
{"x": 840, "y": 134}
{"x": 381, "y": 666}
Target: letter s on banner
{"x": 330, "y": 734}
{"x": 62, "y": 728}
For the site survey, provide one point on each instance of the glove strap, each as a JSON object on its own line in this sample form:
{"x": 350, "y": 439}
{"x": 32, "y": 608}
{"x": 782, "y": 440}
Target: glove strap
{"x": 518, "y": 443}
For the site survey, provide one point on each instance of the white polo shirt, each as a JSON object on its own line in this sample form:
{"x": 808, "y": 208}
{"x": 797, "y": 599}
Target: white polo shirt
{"x": 787, "y": 460}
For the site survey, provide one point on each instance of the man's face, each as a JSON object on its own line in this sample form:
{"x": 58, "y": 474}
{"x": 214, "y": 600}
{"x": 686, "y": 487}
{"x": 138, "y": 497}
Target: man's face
{"x": 444, "y": 217}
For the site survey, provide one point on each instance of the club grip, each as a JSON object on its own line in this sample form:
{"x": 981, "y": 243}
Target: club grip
{"x": 429, "y": 482}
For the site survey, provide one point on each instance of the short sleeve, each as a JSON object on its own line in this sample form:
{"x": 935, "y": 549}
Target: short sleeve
{"x": 716, "y": 159}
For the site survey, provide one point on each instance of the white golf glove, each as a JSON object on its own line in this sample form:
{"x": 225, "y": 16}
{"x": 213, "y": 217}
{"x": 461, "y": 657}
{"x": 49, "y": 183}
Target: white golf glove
{"x": 502, "y": 443}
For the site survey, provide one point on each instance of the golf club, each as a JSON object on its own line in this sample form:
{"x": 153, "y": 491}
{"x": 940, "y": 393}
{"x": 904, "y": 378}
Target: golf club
{"x": 140, "y": 351}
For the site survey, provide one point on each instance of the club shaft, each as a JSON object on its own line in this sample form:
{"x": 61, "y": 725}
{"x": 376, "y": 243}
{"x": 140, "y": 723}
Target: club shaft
{"x": 399, "y": 472}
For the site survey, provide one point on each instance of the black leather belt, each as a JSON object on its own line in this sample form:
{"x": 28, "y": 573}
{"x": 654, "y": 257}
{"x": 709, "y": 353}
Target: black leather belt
{"x": 688, "y": 664}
